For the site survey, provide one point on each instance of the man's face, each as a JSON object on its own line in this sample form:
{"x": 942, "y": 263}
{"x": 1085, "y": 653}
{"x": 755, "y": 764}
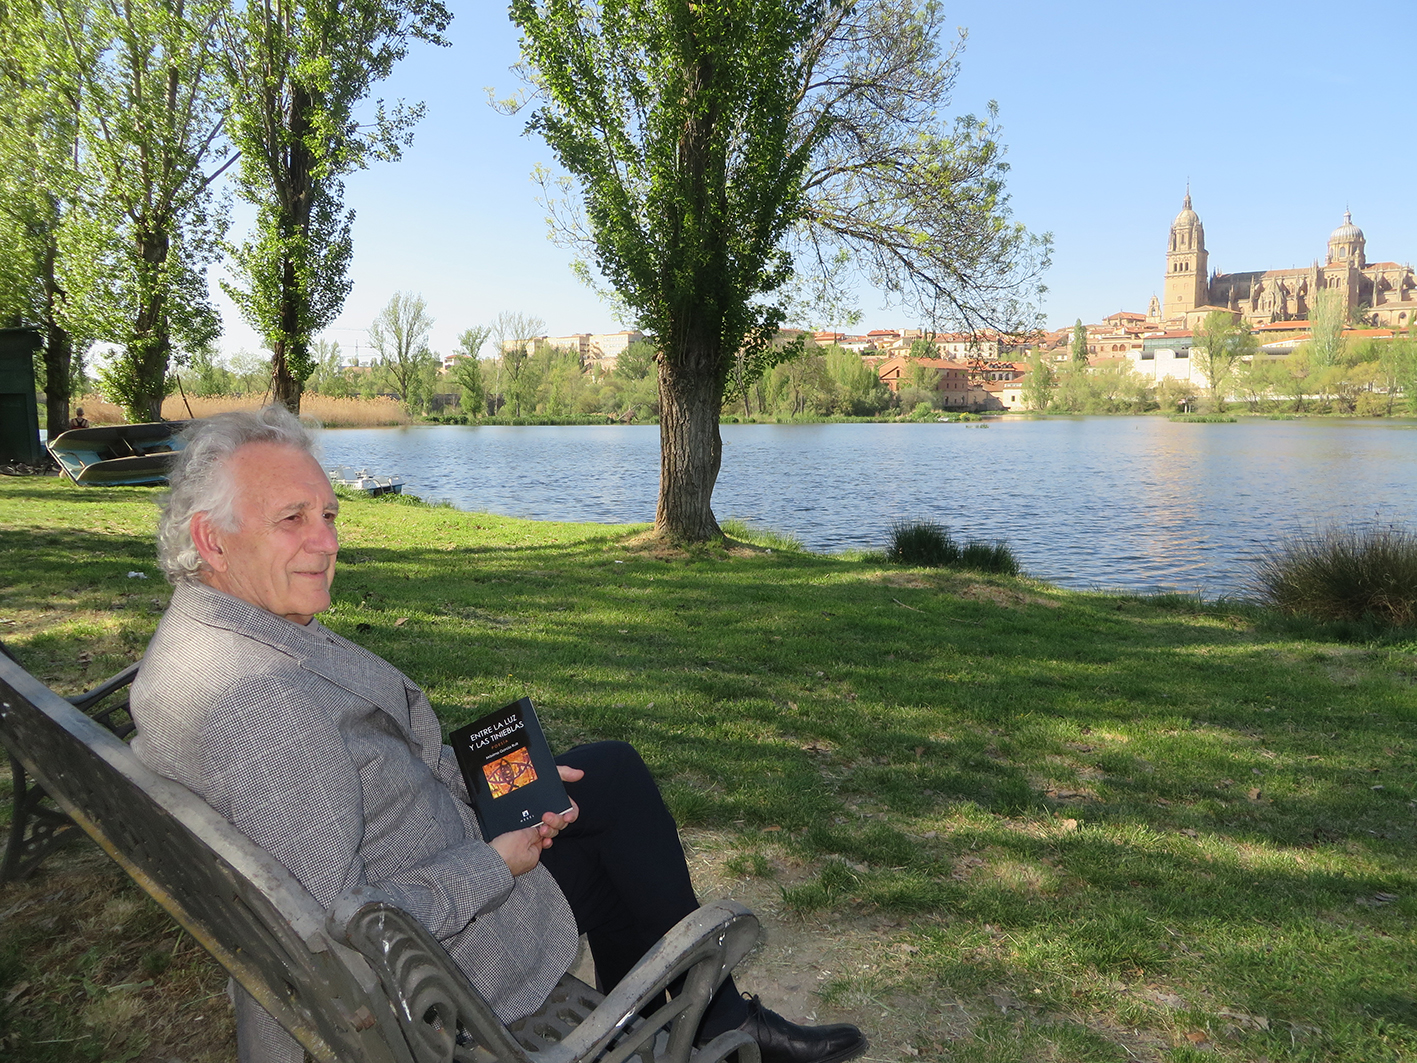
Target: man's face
{"x": 281, "y": 555}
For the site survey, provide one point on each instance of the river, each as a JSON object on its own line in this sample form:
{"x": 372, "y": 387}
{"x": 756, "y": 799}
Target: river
{"x": 1135, "y": 503}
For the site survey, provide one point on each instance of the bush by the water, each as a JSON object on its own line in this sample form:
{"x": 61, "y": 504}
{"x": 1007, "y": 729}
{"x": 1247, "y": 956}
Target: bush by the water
{"x": 1344, "y": 574}
{"x": 930, "y": 545}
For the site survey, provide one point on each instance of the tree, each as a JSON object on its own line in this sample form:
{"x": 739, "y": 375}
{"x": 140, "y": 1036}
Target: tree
{"x": 712, "y": 141}
{"x": 513, "y": 335}
{"x": 39, "y": 129}
{"x": 297, "y": 71}
{"x": 400, "y": 335}
{"x": 1079, "y": 344}
{"x": 1398, "y": 361}
{"x": 1327, "y": 317}
{"x": 1217, "y": 347}
{"x": 467, "y": 369}
{"x": 1040, "y": 383}
{"x": 328, "y": 377}
{"x": 150, "y": 132}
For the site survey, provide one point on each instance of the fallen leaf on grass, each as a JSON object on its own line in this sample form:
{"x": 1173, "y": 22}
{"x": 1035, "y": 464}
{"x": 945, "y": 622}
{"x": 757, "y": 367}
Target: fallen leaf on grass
{"x": 401, "y": 621}
{"x": 774, "y": 827}
{"x": 15, "y": 993}
{"x": 1195, "y": 1037}
{"x": 1255, "y": 794}
{"x": 1258, "y": 1022}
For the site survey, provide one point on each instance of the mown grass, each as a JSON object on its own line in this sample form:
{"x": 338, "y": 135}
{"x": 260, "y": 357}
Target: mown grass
{"x": 1097, "y": 827}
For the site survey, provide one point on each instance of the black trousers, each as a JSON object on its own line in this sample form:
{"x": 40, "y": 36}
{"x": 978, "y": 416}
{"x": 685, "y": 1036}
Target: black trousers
{"x": 622, "y": 869}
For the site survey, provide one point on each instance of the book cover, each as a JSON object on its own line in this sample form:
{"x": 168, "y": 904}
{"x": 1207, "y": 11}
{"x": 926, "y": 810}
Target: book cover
{"x": 509, "y": 769}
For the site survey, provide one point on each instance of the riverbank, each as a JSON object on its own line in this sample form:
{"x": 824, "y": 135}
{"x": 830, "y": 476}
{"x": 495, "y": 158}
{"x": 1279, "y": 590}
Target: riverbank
{"x": 387, "y": 412}
{"x": 989, "y": 818}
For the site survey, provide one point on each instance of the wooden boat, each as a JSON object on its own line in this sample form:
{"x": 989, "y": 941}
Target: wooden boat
{"x": 120, "y": 454}
{"x": 363, "y": 480}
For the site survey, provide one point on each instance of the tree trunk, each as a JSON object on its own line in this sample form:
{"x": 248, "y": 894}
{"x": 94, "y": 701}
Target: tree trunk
{"x": 290, "y": 357}
{"x": 151, "y": 347}
{"x": 690, "y": 449}
{"x": 58, "y": 352}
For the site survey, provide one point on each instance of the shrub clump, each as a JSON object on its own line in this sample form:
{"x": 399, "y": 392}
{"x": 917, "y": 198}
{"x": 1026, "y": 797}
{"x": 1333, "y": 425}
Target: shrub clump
{"x": 1343, "y": 574}
{"x": 930, "y": 545}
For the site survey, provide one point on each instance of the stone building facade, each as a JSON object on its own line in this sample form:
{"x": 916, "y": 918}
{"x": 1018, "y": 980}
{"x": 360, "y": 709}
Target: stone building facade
{"x": 1386, "y": 292}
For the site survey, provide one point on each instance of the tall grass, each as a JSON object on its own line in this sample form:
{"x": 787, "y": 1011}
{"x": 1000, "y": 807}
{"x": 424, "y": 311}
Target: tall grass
{"x": 329, "y": 411}
{"x": 1343, "y": 574}
{"x": 767, "y": 538}
{"x": 930, "y": 545}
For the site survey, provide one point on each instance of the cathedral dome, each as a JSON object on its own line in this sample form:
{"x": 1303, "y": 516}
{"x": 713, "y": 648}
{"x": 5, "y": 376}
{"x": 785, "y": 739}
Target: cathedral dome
{"x": 1187, "y": 218}
{"x": 1347, "y": 232}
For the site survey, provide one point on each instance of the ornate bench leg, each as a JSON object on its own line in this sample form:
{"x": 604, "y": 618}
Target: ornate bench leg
{"x": 35, "y": 831}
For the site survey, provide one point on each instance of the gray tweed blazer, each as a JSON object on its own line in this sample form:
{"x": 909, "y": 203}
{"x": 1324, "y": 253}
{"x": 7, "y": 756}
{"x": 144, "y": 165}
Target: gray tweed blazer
{"x": 332, "y": 761}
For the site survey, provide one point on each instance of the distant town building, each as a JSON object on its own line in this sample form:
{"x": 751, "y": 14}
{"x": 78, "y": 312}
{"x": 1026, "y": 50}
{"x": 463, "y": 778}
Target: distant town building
{"x": 951, "y": 380}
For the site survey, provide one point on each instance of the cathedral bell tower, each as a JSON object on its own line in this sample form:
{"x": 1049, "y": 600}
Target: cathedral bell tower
{"x": 1186, "y": 284}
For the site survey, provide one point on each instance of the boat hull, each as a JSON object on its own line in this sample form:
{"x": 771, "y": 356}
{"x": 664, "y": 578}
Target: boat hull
{"x": 127, "y": 455}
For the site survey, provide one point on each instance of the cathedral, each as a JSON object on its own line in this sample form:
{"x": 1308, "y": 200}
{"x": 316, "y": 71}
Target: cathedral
{"x": 1382, "y": 294}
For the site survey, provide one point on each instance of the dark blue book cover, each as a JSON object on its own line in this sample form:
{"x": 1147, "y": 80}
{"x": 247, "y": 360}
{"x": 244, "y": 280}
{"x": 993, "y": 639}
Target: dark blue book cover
{"x": 509, "y": 770}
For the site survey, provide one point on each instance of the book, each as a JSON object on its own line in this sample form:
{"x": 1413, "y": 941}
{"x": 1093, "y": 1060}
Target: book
{"x": 509, "y": 770}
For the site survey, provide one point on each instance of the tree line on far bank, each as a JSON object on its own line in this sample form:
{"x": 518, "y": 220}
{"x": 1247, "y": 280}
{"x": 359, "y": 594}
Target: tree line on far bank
{"x": 526, "y": 378}
{"x": 1326, "y": 373}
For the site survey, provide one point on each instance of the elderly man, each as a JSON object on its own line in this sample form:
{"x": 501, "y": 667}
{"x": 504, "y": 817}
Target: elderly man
{"x": 332, "y": 760}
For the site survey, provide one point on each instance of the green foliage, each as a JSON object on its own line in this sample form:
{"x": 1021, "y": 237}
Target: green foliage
{"x": 150, "y": 148}
{"x": 636, "y": 361}
{"x": 400, "y": 335}
{"x": 295, "y": 74}
{"x": 1112, "y": 386}
{"x": 1327, "y": 318}
{"x": 1079, "y": 344}
{"x": 1344, "y": 574}
{"x": 1220, "y": 344}
{"x": 1040, "y": 383}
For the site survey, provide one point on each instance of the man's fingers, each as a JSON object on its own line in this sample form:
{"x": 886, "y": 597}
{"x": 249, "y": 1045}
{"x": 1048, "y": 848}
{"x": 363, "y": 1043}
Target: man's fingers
{"x": 569, "y": 774}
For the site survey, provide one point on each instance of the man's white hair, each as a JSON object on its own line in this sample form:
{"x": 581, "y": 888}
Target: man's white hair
{"x": 201, "y": 481}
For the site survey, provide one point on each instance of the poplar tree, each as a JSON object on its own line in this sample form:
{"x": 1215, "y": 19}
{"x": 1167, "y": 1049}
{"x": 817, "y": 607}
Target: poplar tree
{"x": 298, "y": 71}
{"x": 1079, "y": 344}
{"x": 717, "y": 143}
{"x": 150, "y": 146}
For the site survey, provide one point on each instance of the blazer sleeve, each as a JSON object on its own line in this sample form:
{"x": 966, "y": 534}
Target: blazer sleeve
{"x": 276, "y": 765}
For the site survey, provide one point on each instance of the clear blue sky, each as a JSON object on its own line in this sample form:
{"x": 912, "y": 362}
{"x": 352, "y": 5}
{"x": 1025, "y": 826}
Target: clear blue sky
{"x": 1280, "y": 115}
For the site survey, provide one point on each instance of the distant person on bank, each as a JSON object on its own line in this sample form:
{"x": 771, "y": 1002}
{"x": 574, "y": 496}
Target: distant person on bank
{"x": 79, "y": 420}
{"x": 332, "y": 760}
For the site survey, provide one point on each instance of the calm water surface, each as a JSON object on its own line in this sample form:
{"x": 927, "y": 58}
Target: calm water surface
{"x": 1139, "y": 503}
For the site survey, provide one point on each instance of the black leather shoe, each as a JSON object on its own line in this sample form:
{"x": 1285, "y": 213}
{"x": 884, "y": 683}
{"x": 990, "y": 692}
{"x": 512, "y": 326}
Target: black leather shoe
{"x": 785, "y": 1042}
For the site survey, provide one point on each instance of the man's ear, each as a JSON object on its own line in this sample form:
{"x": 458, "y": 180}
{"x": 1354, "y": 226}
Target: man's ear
{"x": 207, "y": 538}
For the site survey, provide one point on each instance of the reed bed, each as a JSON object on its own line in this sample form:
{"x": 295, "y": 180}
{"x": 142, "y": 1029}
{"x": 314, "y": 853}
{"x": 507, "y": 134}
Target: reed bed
{"x": 330, "y": 412}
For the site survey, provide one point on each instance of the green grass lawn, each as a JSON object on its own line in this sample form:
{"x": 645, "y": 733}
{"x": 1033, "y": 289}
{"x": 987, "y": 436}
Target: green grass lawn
{"x": 1076, "y": 826}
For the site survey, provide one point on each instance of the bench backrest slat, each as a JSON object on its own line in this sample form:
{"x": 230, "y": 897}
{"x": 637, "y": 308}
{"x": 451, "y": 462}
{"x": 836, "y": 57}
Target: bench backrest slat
{"x": 229, "y": 894}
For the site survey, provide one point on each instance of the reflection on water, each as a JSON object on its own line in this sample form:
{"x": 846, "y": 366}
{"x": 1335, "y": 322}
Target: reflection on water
{"x": 1130, "y": 502}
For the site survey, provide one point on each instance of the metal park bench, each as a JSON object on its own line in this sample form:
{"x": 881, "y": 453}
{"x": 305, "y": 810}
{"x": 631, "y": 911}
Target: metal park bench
{"x": 363, "y": 981}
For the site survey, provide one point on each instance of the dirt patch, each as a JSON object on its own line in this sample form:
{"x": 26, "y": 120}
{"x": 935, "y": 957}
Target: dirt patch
{"x": 1003, "y": 596}
{"x": 650, "y": 545}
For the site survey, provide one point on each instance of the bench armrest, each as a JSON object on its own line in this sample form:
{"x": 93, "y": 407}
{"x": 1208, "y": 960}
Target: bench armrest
{"x": 444, "y": 1019}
